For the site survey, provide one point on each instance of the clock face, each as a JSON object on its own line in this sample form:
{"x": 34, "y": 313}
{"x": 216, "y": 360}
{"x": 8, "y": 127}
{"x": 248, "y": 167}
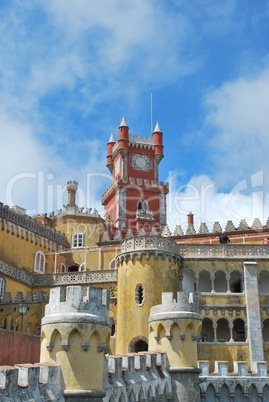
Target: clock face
{"x": 140, "y": 162}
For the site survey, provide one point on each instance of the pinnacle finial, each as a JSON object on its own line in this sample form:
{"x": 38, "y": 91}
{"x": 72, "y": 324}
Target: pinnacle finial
{"x": 123, "y": 122}
{"x": 111, "y": 138}
{"x": 157, "y": 128}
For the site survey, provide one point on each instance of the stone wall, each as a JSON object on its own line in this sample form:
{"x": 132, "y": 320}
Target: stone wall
{"x": 17, "y": 347}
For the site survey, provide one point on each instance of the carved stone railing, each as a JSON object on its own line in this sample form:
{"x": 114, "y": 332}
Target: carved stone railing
{"x": 160, "y": 244}
{"x": 235, "y": 251}
{"x": 73, "y": 278}
{"x": 18, "y": 274}
{"x": 70, "y": 278}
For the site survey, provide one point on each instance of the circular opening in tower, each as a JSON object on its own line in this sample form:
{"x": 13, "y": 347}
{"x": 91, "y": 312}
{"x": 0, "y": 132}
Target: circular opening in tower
{"x": 139, "y": 294}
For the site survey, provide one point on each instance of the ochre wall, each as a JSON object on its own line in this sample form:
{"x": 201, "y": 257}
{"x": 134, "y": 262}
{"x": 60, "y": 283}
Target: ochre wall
{"x": 223, "y": 352}
{"x": 157, "y": 276}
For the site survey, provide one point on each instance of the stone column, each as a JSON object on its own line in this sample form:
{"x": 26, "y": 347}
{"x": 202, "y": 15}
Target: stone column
{"x": 255, "y": 337}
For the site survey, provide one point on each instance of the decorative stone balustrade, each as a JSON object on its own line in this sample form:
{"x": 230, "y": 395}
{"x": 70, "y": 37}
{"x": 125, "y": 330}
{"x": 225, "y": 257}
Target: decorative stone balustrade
{"x": 70, "y": 278}
{"x": 236, "y": 251}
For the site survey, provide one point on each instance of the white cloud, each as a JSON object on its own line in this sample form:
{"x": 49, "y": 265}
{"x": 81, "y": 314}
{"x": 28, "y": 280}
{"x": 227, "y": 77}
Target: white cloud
{"x": 202, "y": 197}
{"x": 237, "y": 118}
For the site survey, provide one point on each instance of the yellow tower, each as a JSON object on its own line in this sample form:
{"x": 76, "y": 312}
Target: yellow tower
{"x": 174, "y": 328}
{"x": 147, "y": 266}
{"x": 75, "y": 335}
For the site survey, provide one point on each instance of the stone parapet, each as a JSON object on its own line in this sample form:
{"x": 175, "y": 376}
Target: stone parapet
{"x": 221, "y": 376}
{"x": 218, "y": 251}
{"x": 19, "y": 221}
{"x": 148, "y": 245}
{"x": 134, "y": 377}
{"x": 28, "y": 382}
{"x": 186, "y": 305}
{"x": 68, "y": 278}
{"x": 77, "y": 305}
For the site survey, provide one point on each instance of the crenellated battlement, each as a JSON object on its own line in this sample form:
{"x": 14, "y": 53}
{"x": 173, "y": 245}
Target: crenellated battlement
{"x": 140, "y": 139}
{"x": 242, "y": 228}
{"x": 30, "y": 382}
{"x": 185, "y": 303}
{"x": 137, "y": 141}
{"x": 139, "y": 182}
{"x": 137, "y": 376}
{"x": 76, "y": 304}
{"x": 241, "y": 378}
{"x": 28, "y": 228}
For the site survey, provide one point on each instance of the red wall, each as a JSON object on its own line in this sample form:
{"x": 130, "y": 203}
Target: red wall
{"x": 16, "y": 347}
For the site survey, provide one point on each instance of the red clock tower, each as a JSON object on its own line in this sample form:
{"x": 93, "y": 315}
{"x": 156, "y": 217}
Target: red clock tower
{"x": 135, "y": 199}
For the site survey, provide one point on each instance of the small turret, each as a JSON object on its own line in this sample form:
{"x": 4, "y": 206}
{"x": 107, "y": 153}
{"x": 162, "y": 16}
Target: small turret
{"x": 72, "y": 187}
{"x": 110, "y": 145}
{"x": 174, "y": 328}
{"x": 158, "y": 143}
{"x": 75, "y": 335}
{"x": 123, "y": 141}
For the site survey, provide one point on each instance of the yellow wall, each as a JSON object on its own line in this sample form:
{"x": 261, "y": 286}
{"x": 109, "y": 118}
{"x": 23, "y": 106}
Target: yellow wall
{"x": 81, "y": 369}
{"x": 229, "y": 352}
{"x": 157, "y": 276}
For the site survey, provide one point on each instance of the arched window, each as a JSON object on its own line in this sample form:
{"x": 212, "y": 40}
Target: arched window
{"x": 77, "y": 240}
{"x": 139, "y": 205}
{"x": 207, "y": 334}
{"x": 265, "y": 330}
{"x": 2, "y": 288}
{"x": 189, "y": 282}
{"x": 139, "y": 294}
{"x": 204, "y": 281}
{"x": 39, "y": 262}
{"x": 220, "y": 282}
{"x": 73, "y": 268}
{"x": 264, "y": 282}
{"x": 223, "y": 332}
{"x": 141, "y": 346}
{"x": 236, "y": 282}
{"x": 239, "y": 330}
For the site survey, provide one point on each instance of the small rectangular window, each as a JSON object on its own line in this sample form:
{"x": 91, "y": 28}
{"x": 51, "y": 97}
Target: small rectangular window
{"x": 78, "y": 240}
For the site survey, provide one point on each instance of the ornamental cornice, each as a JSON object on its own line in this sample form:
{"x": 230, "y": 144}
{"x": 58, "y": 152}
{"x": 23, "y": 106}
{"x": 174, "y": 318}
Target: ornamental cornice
{"x": 149, "y": 246}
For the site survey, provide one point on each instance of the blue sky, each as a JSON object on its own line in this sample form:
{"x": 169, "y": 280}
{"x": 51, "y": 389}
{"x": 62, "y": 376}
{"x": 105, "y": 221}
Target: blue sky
{"x": 70, "y": 69}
